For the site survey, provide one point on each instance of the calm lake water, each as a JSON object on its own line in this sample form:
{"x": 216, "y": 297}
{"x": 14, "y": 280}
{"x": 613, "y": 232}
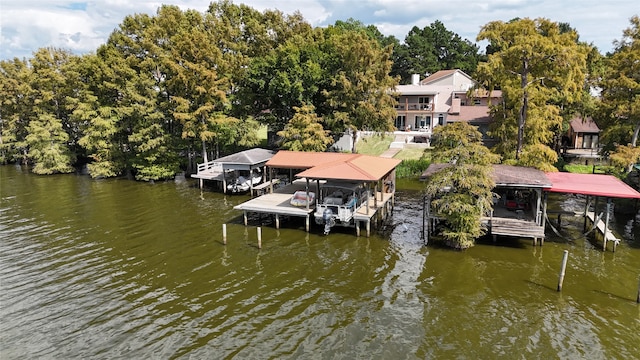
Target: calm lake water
{"x": 120, "y": 269}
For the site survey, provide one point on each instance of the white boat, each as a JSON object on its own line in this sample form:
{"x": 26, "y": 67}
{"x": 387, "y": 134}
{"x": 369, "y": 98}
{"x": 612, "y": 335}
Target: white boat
{"x": 243, "y": 183}
{"x": 337, "y": 204}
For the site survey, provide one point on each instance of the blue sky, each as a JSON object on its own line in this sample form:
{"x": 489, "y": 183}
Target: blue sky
{"x": 82, "y": 26}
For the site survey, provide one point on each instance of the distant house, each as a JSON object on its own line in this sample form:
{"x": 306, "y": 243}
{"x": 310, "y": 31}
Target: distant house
{"x": 441, "y": 98}
{"x": 583, "y": 133}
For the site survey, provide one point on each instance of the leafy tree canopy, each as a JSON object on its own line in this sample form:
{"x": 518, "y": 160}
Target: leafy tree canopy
{"x": 462, "y": 191}
{"x": 434, "y": 48}
{"x": 538, "y": 67}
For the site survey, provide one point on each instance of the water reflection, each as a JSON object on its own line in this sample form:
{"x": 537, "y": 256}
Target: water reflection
{"x": 118, "y": 269}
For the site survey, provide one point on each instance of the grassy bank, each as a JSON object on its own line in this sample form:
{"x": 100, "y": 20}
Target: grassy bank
{"x": 414, "y": 160}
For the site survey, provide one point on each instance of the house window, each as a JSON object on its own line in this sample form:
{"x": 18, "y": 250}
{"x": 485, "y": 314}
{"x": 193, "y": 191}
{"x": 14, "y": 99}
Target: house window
{"x": 424, "y": 103}
{"x": 476, "y": 101}
{"x": 441, "y": 119}
{"x": 423, "y": 121}
{"x": 400, "y": 120}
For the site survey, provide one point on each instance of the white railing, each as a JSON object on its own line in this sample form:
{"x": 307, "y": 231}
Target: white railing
{"x": 211, "y": 166}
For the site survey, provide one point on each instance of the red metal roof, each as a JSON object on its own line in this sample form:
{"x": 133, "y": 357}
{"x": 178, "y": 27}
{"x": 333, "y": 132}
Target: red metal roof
{"x": 591, "y": 184}
{"x": 335, "y": 166}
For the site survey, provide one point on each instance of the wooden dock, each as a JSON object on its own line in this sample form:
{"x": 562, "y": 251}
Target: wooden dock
{"x": 378, "y": 207}
{"x": 515, "y": 227}
{"x": 278, "y": 204}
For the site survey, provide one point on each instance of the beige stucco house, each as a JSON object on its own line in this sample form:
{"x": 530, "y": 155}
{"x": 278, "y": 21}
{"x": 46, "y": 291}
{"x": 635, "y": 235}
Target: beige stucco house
{"x": 446, "y": 96}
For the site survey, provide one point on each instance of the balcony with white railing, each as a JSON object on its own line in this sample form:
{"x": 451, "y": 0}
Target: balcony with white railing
{"x": 414, "y": 107}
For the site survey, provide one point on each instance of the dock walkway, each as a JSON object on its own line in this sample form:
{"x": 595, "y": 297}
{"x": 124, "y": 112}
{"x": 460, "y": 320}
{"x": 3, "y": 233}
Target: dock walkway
{"x": 515, "y": 227}
{"x": 278, "y": 203}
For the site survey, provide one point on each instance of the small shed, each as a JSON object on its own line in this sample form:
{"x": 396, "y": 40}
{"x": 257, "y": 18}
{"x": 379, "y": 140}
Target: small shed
{"x": 583, "y": 133}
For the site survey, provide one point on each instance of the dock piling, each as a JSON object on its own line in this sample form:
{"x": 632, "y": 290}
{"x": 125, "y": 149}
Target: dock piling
{"x": 259, "y": 229}
{"x": 638, "y": 298}
{"x": 224, "y": 234}
{"x": 562, "y": 269}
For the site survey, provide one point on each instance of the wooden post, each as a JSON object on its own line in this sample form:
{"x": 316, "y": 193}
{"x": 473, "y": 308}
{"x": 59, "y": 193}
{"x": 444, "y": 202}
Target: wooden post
{"x": 367, "y": 201}
{"x": 306, "y": 223}
{"x": 277, "y": 221}
{"x": 270, "y": 180}
{"x": 606, "y": 225}
{"x": 638, "y": 298}
{"x": 357, "y": 228}
{"x": 595, "y": 213}
{"x": 224, "y": 234}
{"x": 306, "y": 188}
{"x": 244, "y": 215}
{"x": 586, "y": 209}
{"x": 424, "y": 215}
{"x": 538, "y": 203}
{"x": 259, "y": 237}
{"x": 562, "y": 269}
{"x": 368, "y": 227}
{"x": 543, "y": 221}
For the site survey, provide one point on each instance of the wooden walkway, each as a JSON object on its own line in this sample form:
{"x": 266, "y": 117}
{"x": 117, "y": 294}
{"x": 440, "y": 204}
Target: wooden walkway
{"x": 515, "y": 228}
{"x": 278, "y": 203}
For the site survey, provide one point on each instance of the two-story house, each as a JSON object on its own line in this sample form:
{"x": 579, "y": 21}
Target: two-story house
{"x": 441, "y": 98}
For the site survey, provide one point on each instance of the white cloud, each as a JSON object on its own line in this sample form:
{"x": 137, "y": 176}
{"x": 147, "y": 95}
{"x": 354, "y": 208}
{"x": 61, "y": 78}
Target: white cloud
{"x": 82, "y": 26}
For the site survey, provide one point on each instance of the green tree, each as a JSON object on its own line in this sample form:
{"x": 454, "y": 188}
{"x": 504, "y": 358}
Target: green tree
{"x": 16, "y": 109}
{"x": 434, "y": 48}
{"x": 621, "y": 89}
{"x": 304, "y": 132}
{"x": 139, "y": 96}
{"x": 48, "y": 145}
{"x": 288, "y": 77}
{"x": 536, "y": 66}
{"x": 358, "y": 92}
{"x": 462, "y": 191}
{"x": 50, "y": 132}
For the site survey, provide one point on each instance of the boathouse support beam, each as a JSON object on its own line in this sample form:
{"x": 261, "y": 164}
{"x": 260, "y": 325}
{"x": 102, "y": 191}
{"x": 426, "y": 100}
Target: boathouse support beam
{"x": 306, "y": 188}
{"x": 539, "y": 218}
{"x": 368, "y": 227}
{"x": 606, "y": 225}
{"x": 586, "y": 210}
{"x": 544, "y": 211}
{"x": 375, "y": 195}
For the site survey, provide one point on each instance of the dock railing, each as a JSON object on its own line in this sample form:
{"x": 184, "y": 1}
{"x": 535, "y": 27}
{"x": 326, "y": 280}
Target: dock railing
{"x": 211, "y": 166}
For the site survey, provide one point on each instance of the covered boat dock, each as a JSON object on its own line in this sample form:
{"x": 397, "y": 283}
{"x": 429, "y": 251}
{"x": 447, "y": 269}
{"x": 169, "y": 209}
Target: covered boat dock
{"x": 517, "y": 209}
{"x": 594, "y": 186}
{"x": 376, "y": 174}
{"x": 225, "y": 169}
{"x": 520, "y": 209}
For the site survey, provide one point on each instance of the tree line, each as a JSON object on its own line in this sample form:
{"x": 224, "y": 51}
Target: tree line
{"x": 180, "y": 87}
